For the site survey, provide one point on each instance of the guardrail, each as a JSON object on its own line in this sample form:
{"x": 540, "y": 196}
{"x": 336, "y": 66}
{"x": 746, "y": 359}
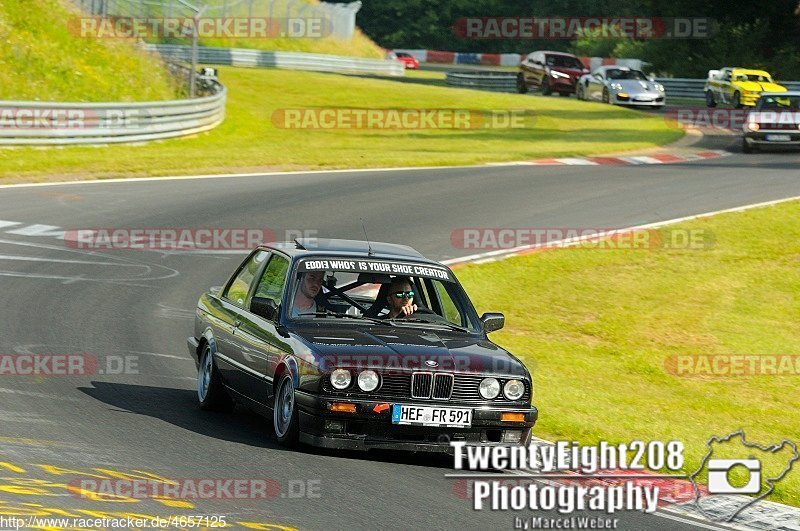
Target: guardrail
{"x": 506, "y": 82}
{"x": 27, "y": 123}
{"x": 693, "y": 88}
{"x": 494, "y": 81}
{"x": 289, "y": 60}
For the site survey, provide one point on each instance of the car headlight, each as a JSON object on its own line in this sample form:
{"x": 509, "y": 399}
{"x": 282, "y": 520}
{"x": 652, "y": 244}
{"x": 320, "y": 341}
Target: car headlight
{"x": 341, "y": 378}
{"x": 659, "y": 87}
{"x": 489, "y": 388}
{"x": 368, "y": 380}
{"x": 753, "y": 126}
{"x": 555, "y": 73}
{"x": 616, "y": 86}
{"x": 514, "y": 389}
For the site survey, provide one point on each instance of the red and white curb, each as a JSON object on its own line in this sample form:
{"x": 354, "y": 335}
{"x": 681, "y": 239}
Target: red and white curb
{"x": 656, "y": 158}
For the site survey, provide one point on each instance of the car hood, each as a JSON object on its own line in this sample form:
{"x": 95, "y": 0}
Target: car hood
{"x": 406, "y": 348}
{"x": 755, "y": 86}
{"x": 634, "y": 86}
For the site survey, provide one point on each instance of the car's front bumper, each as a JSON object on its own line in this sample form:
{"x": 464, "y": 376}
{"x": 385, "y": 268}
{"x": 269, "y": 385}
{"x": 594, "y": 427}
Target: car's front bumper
{"x": 367, "y": 429}
{"x": 655, "y": 100}
{"x": 760, "y": 138}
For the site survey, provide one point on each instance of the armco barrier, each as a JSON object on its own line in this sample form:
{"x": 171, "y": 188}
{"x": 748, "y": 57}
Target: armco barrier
{"x": 494, "y": 81}
{"x": 506, "y": 82}
{"x": 693, "y": 88}
{"x": 25, "y": 123}
{"x": 289, "y": 60}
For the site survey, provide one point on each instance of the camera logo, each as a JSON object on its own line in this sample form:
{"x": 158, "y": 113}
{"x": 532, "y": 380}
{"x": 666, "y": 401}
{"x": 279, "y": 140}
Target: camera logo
{"x": 719, "y": 476}
{"x": 739, "y": 473}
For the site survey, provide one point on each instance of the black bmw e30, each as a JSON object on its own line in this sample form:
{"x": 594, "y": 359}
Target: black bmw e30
{"x": 304, "y": 334}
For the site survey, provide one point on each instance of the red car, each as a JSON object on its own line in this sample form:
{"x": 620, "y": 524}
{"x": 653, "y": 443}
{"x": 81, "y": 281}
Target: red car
{"x": 407, "y": 59}
{"x": 550, "y": 72}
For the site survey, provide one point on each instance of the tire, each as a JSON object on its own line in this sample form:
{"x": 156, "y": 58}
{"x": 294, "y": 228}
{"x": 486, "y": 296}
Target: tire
{"x": 211, "y": 394}
{"x": 606, "y": 96}
{"x": 579, "y": 92}
{"x": 546, "y": 89}
{"x": 747, "y": 148}
{"x": 737, "y": 100}
{"x": 284, "y": 413}
{"x": 522, "y": 88}
{"x": 710, "y": 101}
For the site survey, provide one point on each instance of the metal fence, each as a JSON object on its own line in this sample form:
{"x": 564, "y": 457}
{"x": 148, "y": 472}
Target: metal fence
{"x": 26, "y": 123}
{"x": 288, "y": 60}
{"x": 340, "y": 18}
{"x": 693, "y": 88}
{"x": 506, "y": 82}
{"x": 494, "y": 81}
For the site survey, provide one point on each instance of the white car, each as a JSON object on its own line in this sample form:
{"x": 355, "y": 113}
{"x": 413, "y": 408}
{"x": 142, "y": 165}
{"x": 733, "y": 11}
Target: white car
{"x": 621, "y": 85}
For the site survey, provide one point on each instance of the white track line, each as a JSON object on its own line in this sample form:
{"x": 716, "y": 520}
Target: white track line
{"x": 499, "y": 254}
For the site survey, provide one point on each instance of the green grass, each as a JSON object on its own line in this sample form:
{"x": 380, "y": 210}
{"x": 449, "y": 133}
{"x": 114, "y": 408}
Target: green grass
{"x": 248, "y": 140}
{"x": 596, "y": 328}
{"x": 40, "y": 59}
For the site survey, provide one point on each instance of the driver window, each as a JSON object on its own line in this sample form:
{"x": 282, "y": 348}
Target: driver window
{"x": 238, "y": 289}
{"x": 274, "y": 279}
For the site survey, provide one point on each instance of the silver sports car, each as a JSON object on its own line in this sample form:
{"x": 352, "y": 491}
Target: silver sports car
{"x": 621, "y": 85}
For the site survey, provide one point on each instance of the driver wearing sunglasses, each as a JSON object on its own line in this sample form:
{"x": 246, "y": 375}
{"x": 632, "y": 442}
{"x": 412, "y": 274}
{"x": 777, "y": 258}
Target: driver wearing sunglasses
{"x": 400, "y": 298}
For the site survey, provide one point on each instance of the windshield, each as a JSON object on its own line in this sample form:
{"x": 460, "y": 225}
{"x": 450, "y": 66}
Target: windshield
{"x": 616, "y": 73}
{"x": 758, "y": 78}
{"x": 564, "y": 61}
{"x": 788, "y": 103}
{"x": 320, "y": 291}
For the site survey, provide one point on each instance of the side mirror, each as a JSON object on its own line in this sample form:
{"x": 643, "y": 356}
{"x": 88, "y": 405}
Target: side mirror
{"x": 264, "y": 307}
{"x": 493, "y": 321}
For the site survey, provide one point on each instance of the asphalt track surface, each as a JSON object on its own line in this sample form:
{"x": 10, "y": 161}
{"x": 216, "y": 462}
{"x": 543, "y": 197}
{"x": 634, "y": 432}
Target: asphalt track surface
{"x": 139, "y": 305}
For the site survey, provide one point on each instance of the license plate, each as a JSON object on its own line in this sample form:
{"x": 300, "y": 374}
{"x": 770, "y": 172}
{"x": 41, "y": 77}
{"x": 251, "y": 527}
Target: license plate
{"x": 643, "y": 98}
{"x": 778, "y": 138}
{"x": 431, "y": 416}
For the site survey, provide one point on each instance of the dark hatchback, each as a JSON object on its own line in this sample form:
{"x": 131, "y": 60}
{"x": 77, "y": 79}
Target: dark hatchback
{"x": 302, "y": 333}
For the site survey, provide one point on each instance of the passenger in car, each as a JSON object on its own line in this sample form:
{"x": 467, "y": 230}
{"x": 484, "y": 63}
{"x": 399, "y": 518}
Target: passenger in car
{"x": 400, "y": 298}
{"x": 309, "y": 287}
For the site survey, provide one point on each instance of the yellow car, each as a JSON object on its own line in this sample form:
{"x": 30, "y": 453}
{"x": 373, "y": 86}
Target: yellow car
{"x": 739, "y": 87}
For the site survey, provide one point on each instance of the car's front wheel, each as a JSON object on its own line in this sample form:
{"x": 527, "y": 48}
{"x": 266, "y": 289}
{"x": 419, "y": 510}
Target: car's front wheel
{"x": 211, "y": 394}
{"x": 546, "y": 89}
{"x": 747, "y": 148}
{"x": 606, "y": 96}
{"x": 710, "y": 101}
{"x": 522, "y": 88}
{"x": 737, "y": 100}
{"x": 284, "y": 412}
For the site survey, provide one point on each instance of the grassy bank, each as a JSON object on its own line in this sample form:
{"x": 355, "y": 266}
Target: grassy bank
{"x": 40, "y": 59}
{"x": 248, "y": 140}
{"x": 601, "y": 331}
